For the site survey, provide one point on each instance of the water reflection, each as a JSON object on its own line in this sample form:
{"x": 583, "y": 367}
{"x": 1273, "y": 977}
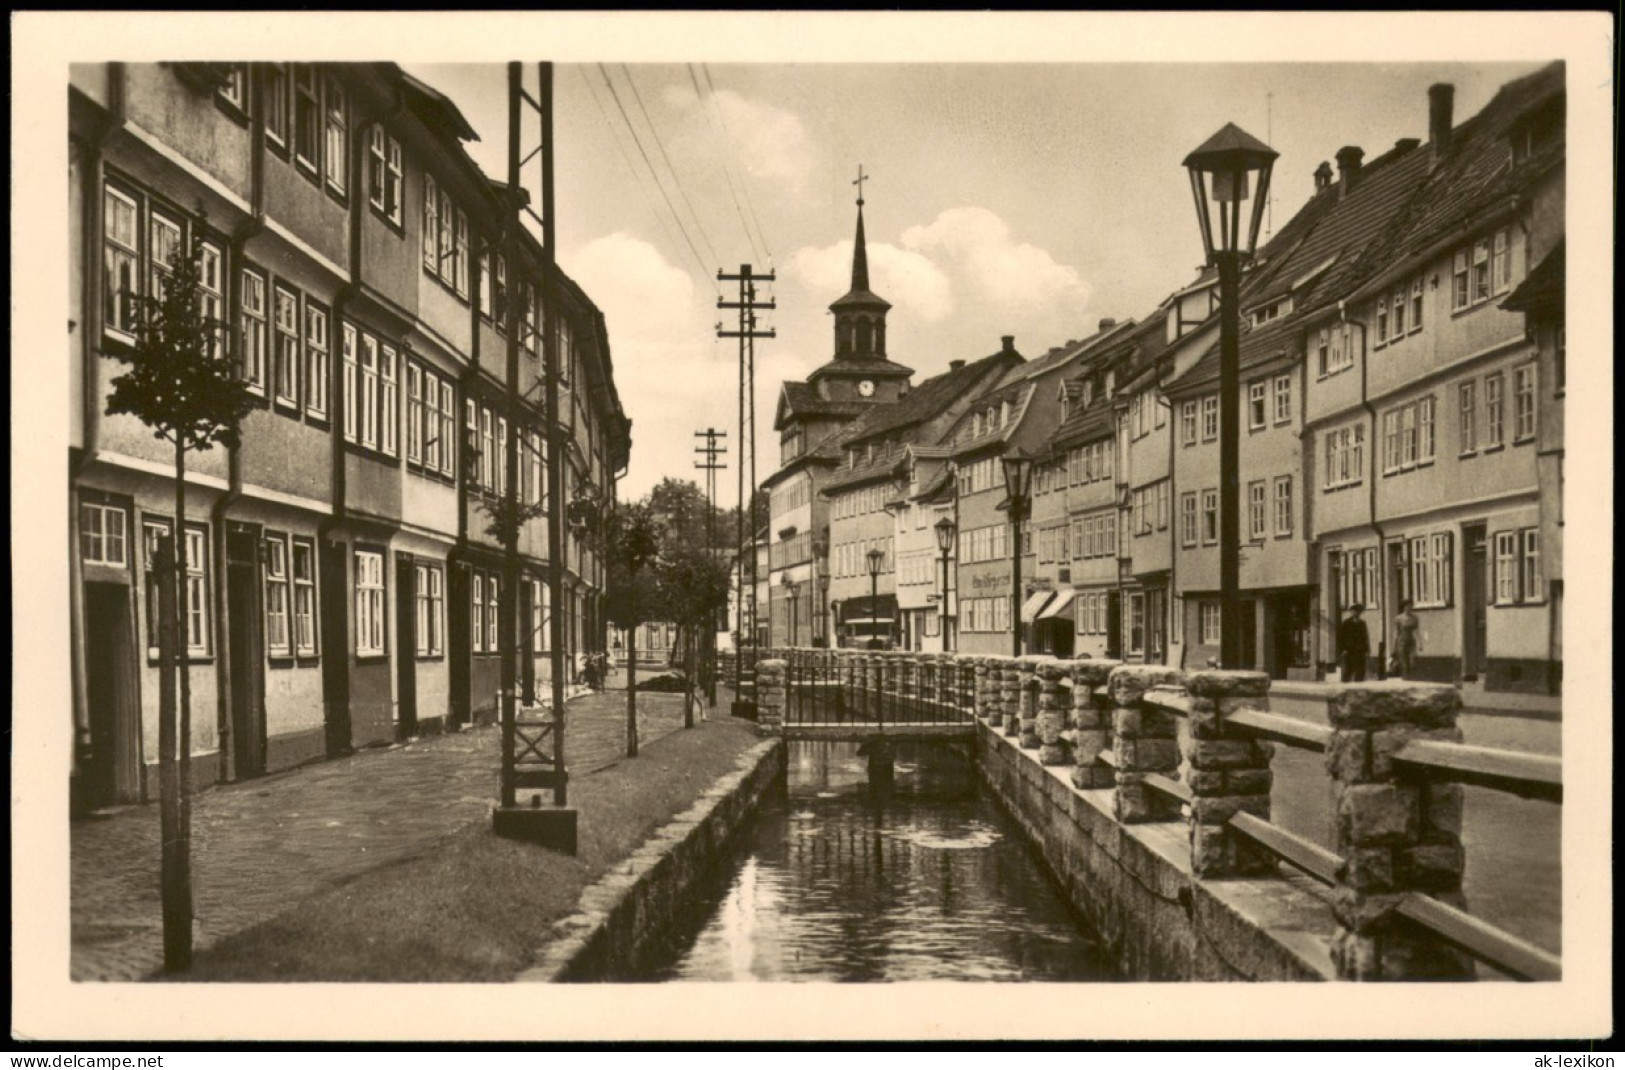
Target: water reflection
{"x": 851, "y": 879}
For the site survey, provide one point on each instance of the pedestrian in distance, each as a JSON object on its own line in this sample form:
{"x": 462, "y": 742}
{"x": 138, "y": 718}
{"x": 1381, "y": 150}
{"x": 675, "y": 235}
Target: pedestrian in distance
{"x": 1353, "y": 645}
{"x": 1407, "y": 641}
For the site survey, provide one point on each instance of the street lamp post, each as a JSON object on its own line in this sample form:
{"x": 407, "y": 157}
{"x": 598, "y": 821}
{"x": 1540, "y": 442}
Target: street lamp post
{"x": 1228, "y": 167}
{"x": 876, "y": 558}
{"x": 1018, "y": 473}
{"x": 945, "y": 541}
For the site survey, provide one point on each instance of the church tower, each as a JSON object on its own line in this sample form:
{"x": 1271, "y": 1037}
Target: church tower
{"x": 860, "y": 371}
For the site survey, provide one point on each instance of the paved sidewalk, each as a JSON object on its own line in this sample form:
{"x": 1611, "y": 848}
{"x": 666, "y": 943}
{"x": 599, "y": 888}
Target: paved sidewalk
{"x": 260, "y": 846}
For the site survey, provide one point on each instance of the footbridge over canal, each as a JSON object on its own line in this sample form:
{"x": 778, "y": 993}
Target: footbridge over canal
{"x": 1147, "y": 790}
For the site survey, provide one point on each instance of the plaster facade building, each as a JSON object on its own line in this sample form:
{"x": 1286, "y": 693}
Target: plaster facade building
{"x": 341, "y": 589}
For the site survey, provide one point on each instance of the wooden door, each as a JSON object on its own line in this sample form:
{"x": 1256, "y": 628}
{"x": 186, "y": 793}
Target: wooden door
{"x": 111, "y": 771}
{"x": 1474, "y": 600}
{"x": 406, "y": 645}
{"x": 245, "y": 638}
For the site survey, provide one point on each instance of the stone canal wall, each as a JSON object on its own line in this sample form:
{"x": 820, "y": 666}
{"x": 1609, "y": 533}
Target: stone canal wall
{"x": 1132, "y": 884}
{"x": 637, "y": 907}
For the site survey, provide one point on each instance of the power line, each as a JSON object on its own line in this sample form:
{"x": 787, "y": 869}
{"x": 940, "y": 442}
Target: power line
{"x": 698, "y": 260}
{"x": 727, "y": 171}
{"x": 728, "y": 140}
{"x": 626, "y": 158}
{"x": 661, "y": 145}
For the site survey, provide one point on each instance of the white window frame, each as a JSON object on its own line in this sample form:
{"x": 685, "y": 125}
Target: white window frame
{"x": 415, "y": 412}
{"x": 431, "y": 225}
{"x": 369, "y": 391}
{"x": 1210, "y": 517}
{"x": 1187, "y": 519}
{"x": 336, "y": 128}
{"x": 278, "y": 597}
{"x": 1283, "y": 506}
{"x": 352, "y": 375}
{"x": 389, "y": 409}
{"x": 1467, "y": 427}
{"x": 318, "y": 347}
{"x": 1208, "y": 620}
{"x": 255, "y": 331}
{"x": 121, "y": 259}
{"x": 1525, "y": 390}
{"x": 1210, "y": 418}
{"x": 370, "y": 603}
{"x": 1494, "y": 412}
{"x": 305, "y": 620}
{"x": 96, "y": 540}
{"x": 1257, "y": 527}
{"x": 1531, "y": 583}
{"x": 1508, "y": 567}
{"x": 1283, "y": 399}
{"x": 1257, "y": 405}
{"x": 285, "y": 304}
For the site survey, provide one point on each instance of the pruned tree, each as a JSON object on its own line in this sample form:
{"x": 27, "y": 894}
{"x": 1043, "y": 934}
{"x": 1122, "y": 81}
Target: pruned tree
{"x": 694, "y": 586}
{"x": 182, "y": 383}
{"x": 631, "y": 541}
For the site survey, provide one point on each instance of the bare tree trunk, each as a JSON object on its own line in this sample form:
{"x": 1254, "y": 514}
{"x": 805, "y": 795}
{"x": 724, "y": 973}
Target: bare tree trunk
{"x": 183, "y": 803}
{"x": 686, "y": 637}
{"x": 631, "y": 690}
{"x": 172, "y": 885}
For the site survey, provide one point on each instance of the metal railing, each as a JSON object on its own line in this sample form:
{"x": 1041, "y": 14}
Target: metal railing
{"x": 882, "y": 690}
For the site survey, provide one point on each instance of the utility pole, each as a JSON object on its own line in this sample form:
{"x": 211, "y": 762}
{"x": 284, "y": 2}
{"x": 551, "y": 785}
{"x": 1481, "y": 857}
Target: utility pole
{"x": 711, "y": 465}
{"x": 747, "y": 333}
{"x": 526, "y": 762}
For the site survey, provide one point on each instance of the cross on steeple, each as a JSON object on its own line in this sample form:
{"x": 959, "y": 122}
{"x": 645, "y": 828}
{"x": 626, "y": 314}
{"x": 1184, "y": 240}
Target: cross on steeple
{"x": 858, "y": 182}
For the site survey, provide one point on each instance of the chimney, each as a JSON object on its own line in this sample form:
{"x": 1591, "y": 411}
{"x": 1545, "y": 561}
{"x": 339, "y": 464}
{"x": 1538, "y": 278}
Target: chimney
{"x": 955, "y": 365}
{"x": 1107, "y": 323}
{"x": 1348, "y": 167}
{"x": 1323, "y": 176}
{"x": 1441, "y": 105}
{"x": 1009, "y": 341}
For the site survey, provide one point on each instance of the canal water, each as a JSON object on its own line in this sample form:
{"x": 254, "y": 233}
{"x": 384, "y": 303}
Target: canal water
{"x": 924, "y": 879}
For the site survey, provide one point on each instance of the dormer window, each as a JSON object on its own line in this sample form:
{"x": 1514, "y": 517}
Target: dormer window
{"x": 1088, "y": 393}
{"x": 1272, "y": 311}
{"x": 1004, "y": 412}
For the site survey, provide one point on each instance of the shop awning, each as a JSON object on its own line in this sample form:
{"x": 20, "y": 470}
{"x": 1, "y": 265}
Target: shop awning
{"x": 1034, "y": 602}
{"x": 1062, "y": 603}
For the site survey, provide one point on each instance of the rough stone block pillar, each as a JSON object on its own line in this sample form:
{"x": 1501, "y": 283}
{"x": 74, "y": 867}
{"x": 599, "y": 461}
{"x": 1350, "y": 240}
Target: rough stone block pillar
{"x": 1396, "y": 837}
{"x": 1091, "y": 724}
{"x": 1143, "y": 741}
{"x": 1054, "y": 710}
{"x": 1030, "y": 689}
{"x": 1227, "y": 771}
{"x": 1010, "y": 695}
{"x": 770, "y": 694}
{"x": 987, "y": 690}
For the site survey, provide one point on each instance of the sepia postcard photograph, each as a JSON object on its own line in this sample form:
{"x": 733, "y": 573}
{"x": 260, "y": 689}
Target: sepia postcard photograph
{"x": 878, "y": 526}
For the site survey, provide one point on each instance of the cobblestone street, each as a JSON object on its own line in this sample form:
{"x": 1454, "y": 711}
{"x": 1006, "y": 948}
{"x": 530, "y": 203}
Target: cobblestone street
{"x": 261, "y": 846}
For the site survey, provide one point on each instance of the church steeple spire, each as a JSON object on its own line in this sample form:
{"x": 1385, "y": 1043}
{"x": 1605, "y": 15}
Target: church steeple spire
{"x": 860, "y": 316}
{"x": 860, "y": 248}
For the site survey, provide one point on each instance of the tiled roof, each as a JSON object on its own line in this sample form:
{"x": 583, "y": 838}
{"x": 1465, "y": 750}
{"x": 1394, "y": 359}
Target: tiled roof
{"x": 803, "y": 400}
{"x": 867, "y": 366}
{"x": 1476, "y": 175}
{"x": 1543, "y": 287}
{"x": 931, "y": 397}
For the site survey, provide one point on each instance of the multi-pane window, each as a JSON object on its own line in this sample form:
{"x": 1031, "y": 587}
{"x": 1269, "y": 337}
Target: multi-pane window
{"x": 254, "y": 330}
{"x": 431, "y": 225}
{"x": 1382, "y": 320}
{"x": 369, "y": 602}
{"x": 476, "y": 616}
{"x": 276, "y": 103}
{"x": 1210, "y": 517}
{"x": 1416, "y": 303}
{"x": 1523, "y": 403}
{"x": 369, "y": 391}
{"x": 1530, "y": 575}
{"x": 448, "y": 432}
{"x": 1494, "y": 412}
{"x": 1507, "y": 567}
{"x": 1430, "y": 569}
{"x": 287, "y": 346}
{"x": 194, "y": 607}
{"x": 307, "y": 117}
{"x": 1208, "y": 626}
{"x": 1468, "y": 395}
{"x": 234, "y": 90}
{"x": 502, "y": 456}
{"x": 1134, "y": 625}
{"x": 1460, "y": 288}
{"x": 1256, "y": 515}
{"x": 414, "y": 414}
{"x": 304, "y": 598}
{"x": 384, "y": 181}
{"x": 1482, "y": 270}
{"x": 316, "y": 360}
{"x": 1187, "y": 518}
{"x": 278, "y": 637}
{"x": 1257, "y": 400}
{"x": 1345, "y": 456}
{"x": 488, "y": 449}
{"x": 541, "y": 598}
{"x": 1283, "y": 505}
{"x": 338, "y": 137}
{"x": 164, "y": 249}
{"x": 1398, "y": 325}
{"x": 389, "y": 402}
{"x": 1210, "y": 418}
{"x": 1283, "y": 399}
{"x": 101, "y": 535}
{"x": 1164, "y": 491}
{"x": 352, "y": 376}
{"x": 535, "y": 464}
{"x": 121, "y": 254}
{"x": 431, "y": 609}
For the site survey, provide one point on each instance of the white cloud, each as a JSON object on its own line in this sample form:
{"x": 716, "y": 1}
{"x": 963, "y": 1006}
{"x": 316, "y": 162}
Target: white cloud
{"x": 910, "y": 281}
{"x": 1013, "y": 275}
{"x": 771, "y": 142}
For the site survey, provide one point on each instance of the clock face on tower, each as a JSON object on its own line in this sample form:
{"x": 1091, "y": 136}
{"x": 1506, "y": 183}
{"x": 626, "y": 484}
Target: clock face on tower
{"x": 867, "y": 387}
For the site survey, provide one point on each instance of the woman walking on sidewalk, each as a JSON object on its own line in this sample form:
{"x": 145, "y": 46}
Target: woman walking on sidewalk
{"x": 1406, "y": 643}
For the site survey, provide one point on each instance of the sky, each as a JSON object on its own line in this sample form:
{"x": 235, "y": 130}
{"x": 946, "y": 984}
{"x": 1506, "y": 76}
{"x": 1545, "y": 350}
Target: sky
{"x": 1028, "y": 199}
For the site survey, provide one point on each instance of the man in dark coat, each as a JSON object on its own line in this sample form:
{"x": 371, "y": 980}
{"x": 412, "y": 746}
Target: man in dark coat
{"x": 1353, "y": 645}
